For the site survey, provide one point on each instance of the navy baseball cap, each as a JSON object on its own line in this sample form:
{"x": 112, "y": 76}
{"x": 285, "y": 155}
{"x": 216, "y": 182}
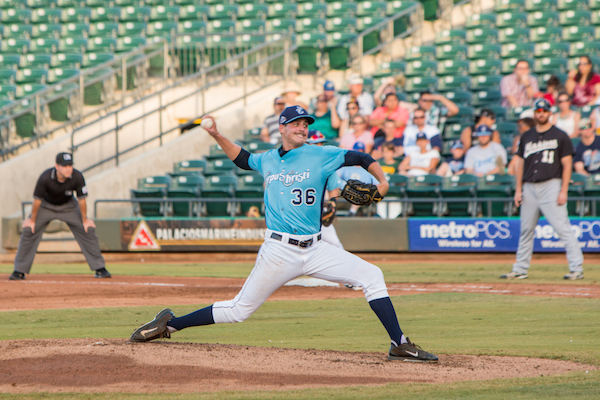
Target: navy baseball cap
{"x": 421, "y": 135}
{"x": 359, "y": 146}
{"x": 542, "y": 104}
{"x": 483, "y": 130}
{"x": 315, "y": 137}
{"x": 457, "y": 145}
{"x": 293, "y": 113}
{"x": 64, "y": 159}
{"x": 328, "y": 85}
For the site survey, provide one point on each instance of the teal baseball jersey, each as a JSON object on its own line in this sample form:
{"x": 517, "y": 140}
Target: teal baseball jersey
{"x": 295, "y": 185}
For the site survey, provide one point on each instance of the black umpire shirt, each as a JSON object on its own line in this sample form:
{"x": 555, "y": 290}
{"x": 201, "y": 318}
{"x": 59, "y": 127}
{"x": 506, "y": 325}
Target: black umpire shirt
{"x": 542, "y": 153}
{"x": 50, "y": 189}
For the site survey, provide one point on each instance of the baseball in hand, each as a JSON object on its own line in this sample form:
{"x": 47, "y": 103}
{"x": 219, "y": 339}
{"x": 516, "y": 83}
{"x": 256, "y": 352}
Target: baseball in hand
{"x": 206, "y": 123}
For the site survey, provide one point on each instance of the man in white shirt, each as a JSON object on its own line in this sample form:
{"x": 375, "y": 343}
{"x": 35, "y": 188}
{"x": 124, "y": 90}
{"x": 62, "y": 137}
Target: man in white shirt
{"x": 423, "y": 161}
{"x": 364, "y": 99}
{"x": 431, "y": 132}
{"x": 487, "y": 157}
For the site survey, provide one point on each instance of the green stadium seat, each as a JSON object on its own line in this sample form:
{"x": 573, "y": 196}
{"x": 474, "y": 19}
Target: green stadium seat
{"x": 480, "y": 67}
{"x": 139, "y": 13}
{"x": 76, "y": 14}
{"x": 223, "y": 11}
{"x": 551, "y": 49}
{"x": 60, "y": 108}
{"x": 578, "y": 33}
{"x": 189, "y": 167}
{"x": 595, "y": 18}
{"x": 517, "y": 50}
{"x": 589, "y": 49}
{"x": 128, "y": 43}
{"x": 451, "y": 36}
{"x": 104, "y": 29}
{"x": 452, "y": 131}
{"x": 311, "y": 25}
{"x": 15, "y": 45}
{"x": 540, "y": 5}
{"x": 193, "y": 27}
{"x": 420, "y": 68}
{"x": 546, "y": 34}
{"x": 16, "y": 15}
{"x": 513, "y": 35}
{"x": 507, "y": 128}
{"x": 59, "y": 74}
{"x": 72, "y": 43}
{"x": 542, "y": 18}
{"x": 337, "y": 47}
{"x": 154, "y": 182}
{"x": 249, "y": 186}
{"x": 451, "y": 52}
{"x": 422, "y": 53}
{"x": 162, "y": 27}
{"x": 185, "y": 186}
{"x": 418, "y": 84}
{"x": 508, "y": 64}
{"x": 459, "y": 97}
{"x": 222, "y": 187}
{"x": 281, "y": 24}
{"x": 102, "y": 44}
{"x": 453, "y": 83}
{"x": 252, "y": 135}
{"x": 125, "y": 3}
{"x": 482, "y": 36}
{"x": 40, "y": 3}
{"x": 550, "y": 65}
{"x": 45, "y": 45}
{"x": 13, "y": 60}
{"x": 219, "y": 167}
{"x": 496, "y": 186}
{"x": 148, "y": 209}
{"x": 17, "y": 30}
{"x": 426, "y": 186}
{"x": 133, "y": 28}
{"x": 341, "y": 24}
{"x": 481, "y": 21}
{"x": 371, "y": 8}
{"x": 281, "y": 10}
{"x": 215, "y": 153}
{"x": 515, "y": 19}
{"x": 509, "y": 5}
{"x": 485, "y": 97}
{"x": 66, "y": 60}
{"x": 391, "y": 68}
{"x": 47, "y": 30}
{"x": 164, "y": 13}
{"x": 371, "y": 39}
{"x": 220, "y": 26}
{"x": 452, "y": 67}
{"x": 32, "y": 75}
{"x": 95, "y": 59}
{"x": 574, "y": 17}
{"x": 41, "y": 60}
{"x": 8, "y": 74}
{"x": 252, "y": 11}
{"x": 576, "y": 188}
{"x": 312, "y": 10}
{"x": 514, "y": 113}
{"x": 591, "y": 188}
{"x": 501, "y": 113}
{"x": 341, "y": 9}
{"x": 459, "y": 186}
{"x": 586, "y": 111}
{"x": 105, "y": 14}
{"x": 194, "y": 12}
{"x": 594, "y": 4}
{"x": 484, "y": 51}
{"x": 76, "y": 29}
{"x": 8, "y": 91}
{"x": 465, "y": 115}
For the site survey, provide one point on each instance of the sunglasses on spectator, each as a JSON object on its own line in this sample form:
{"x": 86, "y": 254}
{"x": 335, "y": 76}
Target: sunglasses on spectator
{"x": 563, "y": 101}
{"x": 586, "y": 127}
{"x": 418, "y": 117}
{"x": 427, "y": 100}
{"x": 280, "y": 104}
{"x": 357, "y": 122}
{"x": 583, "y": 63}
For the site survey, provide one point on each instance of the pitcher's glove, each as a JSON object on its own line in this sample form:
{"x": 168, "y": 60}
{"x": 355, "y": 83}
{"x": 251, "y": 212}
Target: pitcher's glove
{"x": 360, "y": 194}
{"x": 328, "y": 214}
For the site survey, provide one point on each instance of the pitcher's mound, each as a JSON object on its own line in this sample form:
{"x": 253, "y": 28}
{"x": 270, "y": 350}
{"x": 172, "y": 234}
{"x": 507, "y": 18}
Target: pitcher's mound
{"x": 111, "y": 365}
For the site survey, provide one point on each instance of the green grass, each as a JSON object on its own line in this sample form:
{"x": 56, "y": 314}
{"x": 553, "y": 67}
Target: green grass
{"x": 394, "y": 272}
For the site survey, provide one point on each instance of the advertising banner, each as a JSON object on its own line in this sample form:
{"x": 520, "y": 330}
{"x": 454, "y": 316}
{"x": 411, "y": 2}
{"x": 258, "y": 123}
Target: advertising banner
{"x": 494, "y": 235}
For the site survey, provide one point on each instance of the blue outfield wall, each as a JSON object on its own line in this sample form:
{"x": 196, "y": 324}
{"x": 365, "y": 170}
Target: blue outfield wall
{"x": 494, "y": 235}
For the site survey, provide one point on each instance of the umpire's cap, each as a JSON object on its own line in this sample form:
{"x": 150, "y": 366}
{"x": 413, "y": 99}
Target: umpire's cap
{"x": 64, "y": 159}
{"x": 293, "y": 113}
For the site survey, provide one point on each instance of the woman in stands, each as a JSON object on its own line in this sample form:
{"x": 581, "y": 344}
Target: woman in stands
{"x": 583, "y": 83}
{"x": 353, "y": 108}
{"x": 326, "y": 118}
{"x": 566, "y": 119}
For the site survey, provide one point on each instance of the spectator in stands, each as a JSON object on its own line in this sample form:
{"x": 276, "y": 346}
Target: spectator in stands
{"x": 553, "y": 88}
{"x": 435, "y": 115}
{"x": 388, "y": 163}
{"x": 485, "y": 117}
{"x": 389, "y": 129}
{"x": 345, "y": 124}
{"x": 583, "y": 83}
{"x": 270, "y": 130}
{"x": 455, "y": 163}
{"x": 422, "y": 161}
{"x": 487, "y": 157}
{"x": 519, "y": 88}
{"x": 357, "y": 172}
{"x": 290, "y": 94}
{"x": 389, "y": 110}
{"x": 328, "y": 92}
{"x": 365, "y": 100}
{"x": 432, "y": 133}
{"x": 524, "y": 124}
{"x": 587, "y": 152}
{"x": 359, "y": 134}
{"x": 390, "y": 85}
{"x": 566, "y": 119}
{"x": 326, "y": 118}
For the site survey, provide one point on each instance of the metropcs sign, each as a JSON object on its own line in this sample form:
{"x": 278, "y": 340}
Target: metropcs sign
{"x": 501, "y": 235}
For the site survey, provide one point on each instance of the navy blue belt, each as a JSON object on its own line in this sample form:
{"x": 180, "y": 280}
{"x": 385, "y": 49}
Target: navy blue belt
{"x": 294, "y": 242}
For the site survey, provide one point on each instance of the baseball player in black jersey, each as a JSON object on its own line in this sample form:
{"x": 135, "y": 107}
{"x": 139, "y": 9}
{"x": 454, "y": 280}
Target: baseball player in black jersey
{"x": 53, "y": 199}
{"x": 543, "y": 172}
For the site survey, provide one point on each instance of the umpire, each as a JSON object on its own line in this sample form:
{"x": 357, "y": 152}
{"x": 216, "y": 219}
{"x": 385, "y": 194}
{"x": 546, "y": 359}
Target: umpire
{"x": 53, "y": 199}
{"x": 543, "y": 172}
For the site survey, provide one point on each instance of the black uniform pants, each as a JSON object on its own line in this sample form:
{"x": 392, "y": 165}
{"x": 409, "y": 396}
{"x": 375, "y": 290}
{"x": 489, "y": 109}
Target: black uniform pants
{"x": 71, "y": 215}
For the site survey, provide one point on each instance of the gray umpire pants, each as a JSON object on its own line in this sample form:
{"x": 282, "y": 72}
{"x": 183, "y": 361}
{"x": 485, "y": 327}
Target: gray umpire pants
{"x": 541, "y": 197}
{"x": 71, "y": 215}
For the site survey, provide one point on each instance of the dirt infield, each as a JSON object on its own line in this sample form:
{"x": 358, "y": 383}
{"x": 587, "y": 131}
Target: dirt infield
{"x": 43, "y": 291}
{"x": 188, "y": 367}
